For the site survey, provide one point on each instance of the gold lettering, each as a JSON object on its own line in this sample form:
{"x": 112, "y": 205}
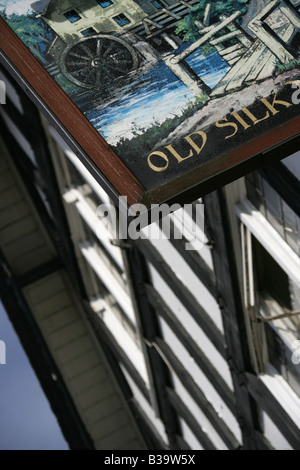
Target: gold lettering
{"x": 253, "y": 118}
{"x": 158, "y": 168}
{"x": 241, "y": 121}
{"x": 176, "y": 154}
{"x": 193, "y": 144}
{"x": 227, "y": 124}
{"x": 271, "y": 107}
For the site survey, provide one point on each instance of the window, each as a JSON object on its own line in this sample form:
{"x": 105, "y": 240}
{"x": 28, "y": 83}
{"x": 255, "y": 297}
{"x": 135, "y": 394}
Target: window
{"x": 157, "y": 4}
{"x": 72, "y": 16}
{"x": 275, "y": 209}
{"x": 74, "y": 178}
{"x": 104, "y": 3}
{"x": 280, "y": 356}
{"x": 121, "y": 20}
{"x": 88, "y": 32}
{"x": 273, "y": 301}
{"x": 100, "y": 249}
{"x": 272, "y": 281}
{"x": 278, "y": 295}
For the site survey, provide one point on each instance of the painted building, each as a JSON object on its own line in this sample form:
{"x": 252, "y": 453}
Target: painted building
{"x": 143, "y": 344}
{"x": 73, "y": 20}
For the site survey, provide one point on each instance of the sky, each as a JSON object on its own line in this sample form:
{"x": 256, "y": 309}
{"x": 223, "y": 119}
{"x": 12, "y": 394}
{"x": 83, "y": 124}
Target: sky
{"x": 21, "y": 7}
{"x": 26, "y": 419}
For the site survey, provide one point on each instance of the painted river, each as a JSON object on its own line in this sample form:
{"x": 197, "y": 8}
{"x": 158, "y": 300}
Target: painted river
{"x": 156, "y": 96}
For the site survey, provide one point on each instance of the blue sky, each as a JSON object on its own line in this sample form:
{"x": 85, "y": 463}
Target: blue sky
{"x": 26, "y": 419}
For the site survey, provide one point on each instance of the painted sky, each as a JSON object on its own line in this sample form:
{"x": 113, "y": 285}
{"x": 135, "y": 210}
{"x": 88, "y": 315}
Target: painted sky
{"x": 27, "y": 421}
{"x": 22, "y": 7}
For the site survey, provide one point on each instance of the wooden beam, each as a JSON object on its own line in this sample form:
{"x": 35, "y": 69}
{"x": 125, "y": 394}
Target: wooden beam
{"x": 148, "y": 327}
{"x": 285, "y": 183}
{"x": 189, "y": 50}
{"x": 207, "y": 13}
{"x": 271, "y": 40}
{"x": 244, "y": 37}
{"x": 40, "y": 272}
{"x": 153, "y": 23}
{"x": 152, "y": 438}
{"x": 291, "y": 12}
{"x": 225, "y": 37}
{"x": 195, "y": 262}
{"x": 262, "y": 442}
{"x": 109, "y": 340}
{"x": 186, "y": 4}
{"x": 229, "y": 299}
{"x": 188, "y": 382}
{"x": 171, "y": 13}
{"x": 274, "y": 409}
{"x": 190, "y": 420}
{"x": 184, "y": 295}
{"x": 200, "y": 358}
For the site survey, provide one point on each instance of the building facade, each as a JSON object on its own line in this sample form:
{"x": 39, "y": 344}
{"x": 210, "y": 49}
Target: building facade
{"x": 142, "y": 344}
{"x": 73, "y": 20}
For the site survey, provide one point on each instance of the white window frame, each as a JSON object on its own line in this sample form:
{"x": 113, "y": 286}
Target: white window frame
{"x": 270, "y": 239}
{"x": 254, "y": 223}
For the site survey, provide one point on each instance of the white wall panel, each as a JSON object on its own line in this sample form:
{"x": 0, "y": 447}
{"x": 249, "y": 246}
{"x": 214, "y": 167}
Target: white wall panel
{"x": 182, "y": 270}
{"x": 205, "y": 386}
{"x": 198, "y": 414}
{"x": 190, "y": 325}
{"x": 272, "y": 433}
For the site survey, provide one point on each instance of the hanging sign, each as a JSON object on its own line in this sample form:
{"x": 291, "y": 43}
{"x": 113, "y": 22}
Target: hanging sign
{"x": 166, "y": 99}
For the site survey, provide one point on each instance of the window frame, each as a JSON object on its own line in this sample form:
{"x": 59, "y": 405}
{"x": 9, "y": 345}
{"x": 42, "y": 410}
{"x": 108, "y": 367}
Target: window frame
{"x": 91, "y": 29}
{"x": 114, "y": 18}
{"x": 254, "y": 224}
{"x": 105, "y": 1}
{"x": 75, "y": 11}
{"x": 265, "y": 206}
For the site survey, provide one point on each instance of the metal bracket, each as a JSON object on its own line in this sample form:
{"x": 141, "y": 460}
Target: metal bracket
{"x": 277, "y": 317}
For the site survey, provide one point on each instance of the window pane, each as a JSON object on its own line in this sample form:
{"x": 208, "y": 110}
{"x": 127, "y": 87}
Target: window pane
{"x": 121, "y": 19}
{"x": 157, "y": 4}
{"x": 270, "y": 277}
{"x": 293, "y": 374}
{"x": 295, "y": 301}
{"x": 88, "y": 32}
{"x": 290, "y": 227}
{"x": 75, "y": 176}
{"x": 280, "y": 356}
{"x": 276, "y": 350}
{"x": 104, "y": 3}
{"x": 101, "y": 250}
{"x": 72, "y": 16}
{"x": 254, "y": 191}
{"x": 277, "y": 294}
{"x": 273, "y": 207}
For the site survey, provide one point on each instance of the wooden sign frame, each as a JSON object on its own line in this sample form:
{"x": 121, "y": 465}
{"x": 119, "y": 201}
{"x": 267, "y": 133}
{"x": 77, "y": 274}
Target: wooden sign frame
{"x": 277, "y": 141}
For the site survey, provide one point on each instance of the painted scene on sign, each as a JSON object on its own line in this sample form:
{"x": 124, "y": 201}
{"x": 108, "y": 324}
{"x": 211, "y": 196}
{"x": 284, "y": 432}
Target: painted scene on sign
{"x": 169, "y": 84}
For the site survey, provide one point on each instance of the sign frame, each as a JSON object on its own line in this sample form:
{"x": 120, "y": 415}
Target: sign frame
{"x": 109, "y": 170}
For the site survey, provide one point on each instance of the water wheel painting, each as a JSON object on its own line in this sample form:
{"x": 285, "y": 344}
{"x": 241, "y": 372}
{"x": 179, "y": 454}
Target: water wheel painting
{"x": 95, "y": 61}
